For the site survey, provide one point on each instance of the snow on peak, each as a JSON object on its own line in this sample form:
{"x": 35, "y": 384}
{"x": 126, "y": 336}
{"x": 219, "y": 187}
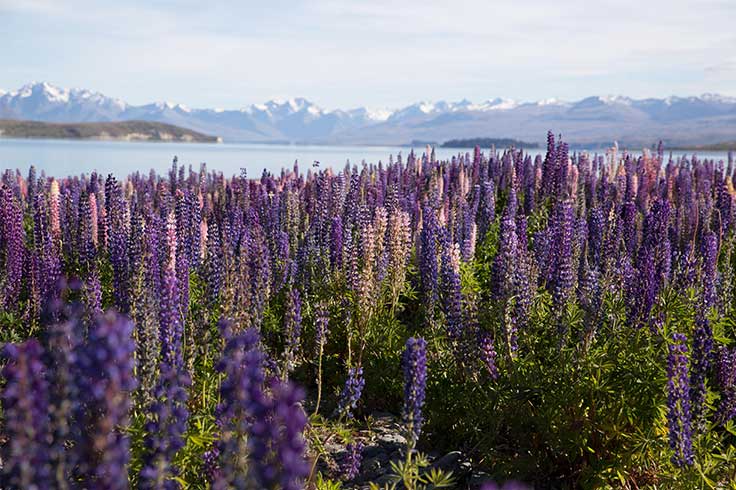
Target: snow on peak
{"x": 614, "y": 99}
{"x": 550, "y": 101}
{"x": 723, "y": 99}
{"x": 378, "y": 115}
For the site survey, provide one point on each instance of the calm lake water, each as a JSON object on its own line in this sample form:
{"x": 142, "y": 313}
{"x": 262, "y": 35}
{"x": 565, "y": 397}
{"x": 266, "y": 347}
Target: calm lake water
{"x": 67, "y": 157}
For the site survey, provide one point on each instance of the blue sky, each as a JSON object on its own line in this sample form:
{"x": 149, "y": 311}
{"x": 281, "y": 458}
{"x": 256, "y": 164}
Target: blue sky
{"x": 341, "y": 53}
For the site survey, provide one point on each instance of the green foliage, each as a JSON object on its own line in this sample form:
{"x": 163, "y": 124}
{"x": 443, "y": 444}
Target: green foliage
{"x": 412, "y": 474}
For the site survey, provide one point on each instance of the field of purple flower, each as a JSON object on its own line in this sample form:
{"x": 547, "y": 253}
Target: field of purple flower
{"x": 567, "y": 322}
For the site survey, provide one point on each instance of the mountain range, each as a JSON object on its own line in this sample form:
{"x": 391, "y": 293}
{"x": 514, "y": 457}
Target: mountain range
{"x": 591, "y": 121}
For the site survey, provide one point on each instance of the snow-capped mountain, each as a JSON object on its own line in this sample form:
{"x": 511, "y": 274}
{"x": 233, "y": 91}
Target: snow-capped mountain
{"x": 681, "y": 120}
{"x": 45, "y": 102}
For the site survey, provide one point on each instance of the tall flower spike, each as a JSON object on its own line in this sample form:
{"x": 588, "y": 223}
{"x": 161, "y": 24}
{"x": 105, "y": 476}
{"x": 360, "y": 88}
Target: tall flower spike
{"x": 25, "y": 402}
{"x": 12, "y": 237}
{"x": 275, "y": 439}
{"x": 351, "y": 392}
{"x": 60, "y": 342}
{"x": 678, "y": 402}
{"x": 170, "y": 316}
{"x": 703, "y": 335}
{"x": 488, "y": 355}
{"x": 164, "y": 435}
{"x": 242, "y": 397}
{"x": 104, "y": 377}
{"x": 292, "y": 329}
{"x": 350, "y": 465}
{"x": 414, "y": 364}
{"x": 726, "y": 375}
{"x": 563, "y": 274}
{"x": 428, "y": 260}
{"x": 451, "y": 289}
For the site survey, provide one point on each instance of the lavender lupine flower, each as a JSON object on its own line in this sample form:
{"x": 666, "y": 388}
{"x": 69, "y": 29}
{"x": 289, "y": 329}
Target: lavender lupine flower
{"x": 336, "y": 231}
{"x": 292, "y": 329}
{"x": 350, "y": 465}
{"x": 60, "y": 342}
{"x": 92, "y": 296}
{"x": 487, "y": 209}
{"x": 103, "y": 372}
{"x": 261, "y": 276}
{"x": 117, "y": 231}
{"x": 321, "y": 327}
{"x": 488, "y": 354}
{"x": 710, "y": 270}
{"x": 213, "y": 264}
{"x": 503, "y": 270}
{"x": 165, "y": 430}
{"x": 351, "y": 392}
{"x": 451, "y": 289}
{"x": 12, "y": 247}
{"x": 48, "y": 264}
{"x": 678, "y": 402}
{"x": 414, "y": 364}
{"x": 596, "y": 229}
{"x": 428, "y": 259}
{"x": 242, "y": 397}
{"x": 184, "y": 247}
{"x": 170, "y": 318}
{"x": 654, "y": 259}
{"x": 563, "y": 274}
{"x": 25, "y": 403}
{"x": 366, "y": 286}
{"x": 703, "y": 335}
{"x": 275, "y": 439}
{"x": 726, "y": 375}
{"x": 210, "y": 466}
{"x": 399, "y": 247}
{"x": 85, "y": 247}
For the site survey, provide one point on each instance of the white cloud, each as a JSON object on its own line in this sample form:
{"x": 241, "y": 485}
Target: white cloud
{"x": 379, "y": 53}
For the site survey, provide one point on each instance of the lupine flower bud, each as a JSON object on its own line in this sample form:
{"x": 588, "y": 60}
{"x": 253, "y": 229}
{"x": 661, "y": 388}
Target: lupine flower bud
{"x": 414, "y": 364}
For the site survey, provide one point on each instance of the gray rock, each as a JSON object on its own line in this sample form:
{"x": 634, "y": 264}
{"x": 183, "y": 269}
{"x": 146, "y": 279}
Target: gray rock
{"x": 449, "y": 462}
{"x": 391, "y": 439}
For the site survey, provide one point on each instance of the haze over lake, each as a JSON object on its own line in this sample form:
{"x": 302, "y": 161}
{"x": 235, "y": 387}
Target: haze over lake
{"x": 64, "y": 157}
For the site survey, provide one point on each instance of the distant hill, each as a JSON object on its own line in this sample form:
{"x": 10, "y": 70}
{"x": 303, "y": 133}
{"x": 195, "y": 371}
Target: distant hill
{"x": 678, "y": 121}
{"x": 714, "y": 147}
{"x": 488, "y": 142}
{"x": 122, "y": 130}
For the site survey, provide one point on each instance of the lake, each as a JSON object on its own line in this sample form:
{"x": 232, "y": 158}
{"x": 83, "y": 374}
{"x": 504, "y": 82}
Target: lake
{"x": 72, "y": 157}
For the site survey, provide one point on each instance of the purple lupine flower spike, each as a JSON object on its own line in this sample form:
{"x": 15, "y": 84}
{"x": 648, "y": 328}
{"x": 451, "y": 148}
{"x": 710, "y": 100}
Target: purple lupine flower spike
{"x": 12, "y": 239}
{"x": 242, "y": 397}
{"x": 451, "y": 289}
{"x": 563, "y": 273}
{"x": 414, "y": 364}
{"x": 292, "y": 329}
{"x": 488, "y": 355}
{"x": 678, "y": 402}
{"x": 351, "y": 392}
{"x": 350, "y": 465}
{"x": 428, "y": 268}
{"x": 25, "y": 403}
{"x": 726, "y": 375}
{"x": 275, "y": 441}
{"x": 703, "y": 335}
{"x": 104, "y": 376}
